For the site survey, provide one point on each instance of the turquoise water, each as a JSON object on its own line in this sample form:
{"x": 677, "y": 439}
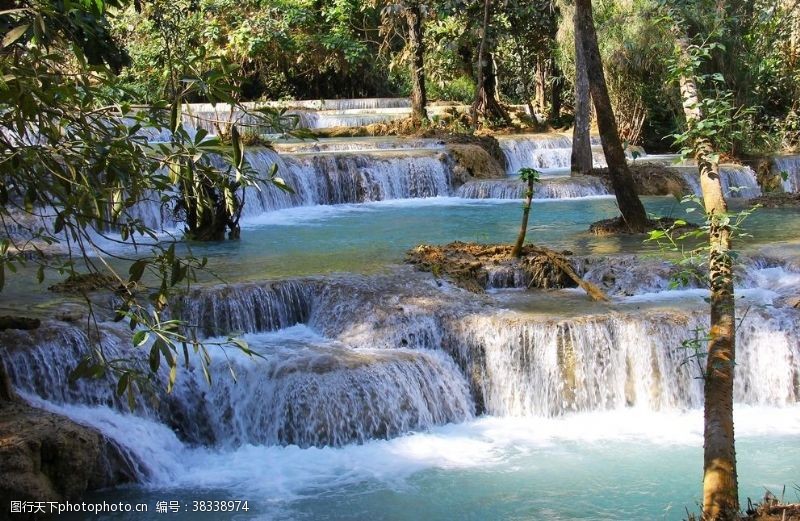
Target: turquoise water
{"x": 367, "y": 237}
{"x": 621, "y": 465}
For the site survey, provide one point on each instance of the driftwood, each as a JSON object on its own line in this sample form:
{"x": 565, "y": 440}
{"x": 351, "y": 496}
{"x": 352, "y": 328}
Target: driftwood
{"x": 594, "y": 292}
{"x": 469, "y": 265}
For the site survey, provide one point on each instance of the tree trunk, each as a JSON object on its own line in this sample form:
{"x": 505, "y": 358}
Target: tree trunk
{"x": 523, "y": 229}
{"x": 541, "y": 86}
{"x": 416, "y": 44}
{"x": 555, "y": 90}
{"x": 525, "y": 81}
{"x": 581, "y": 160}
{"x": 720, "y": 484}
{"x": 556, "y": 77}
{"x": 486, "y": 103}
{"x": 207, "y": 216}
{"x": 630, "y": 206}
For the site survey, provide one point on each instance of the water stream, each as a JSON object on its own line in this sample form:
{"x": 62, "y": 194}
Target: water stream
{"x": 380, "y": 392}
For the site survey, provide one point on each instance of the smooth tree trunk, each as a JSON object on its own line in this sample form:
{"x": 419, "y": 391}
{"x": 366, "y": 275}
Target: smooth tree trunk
{"x": 631, "y": 207}
{"x": 541, "y": 86}
{"x": 419, "y": 97}
{"x": 525, "y": 82}
{"x": 556, "y": 90}
{"x": 581, "y": 159}
{"x": 556, "y": 76}
{"x": 526, "y": 211}
{"x": 486, "y": 103}
{"x": 720, "y": 484}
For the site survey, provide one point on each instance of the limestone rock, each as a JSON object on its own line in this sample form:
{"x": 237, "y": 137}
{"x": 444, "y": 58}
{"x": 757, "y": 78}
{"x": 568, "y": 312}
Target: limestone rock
{"x": 47, "y": 457}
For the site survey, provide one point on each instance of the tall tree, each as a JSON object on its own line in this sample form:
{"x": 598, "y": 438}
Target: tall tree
{"x": 632, "y": 209}
{"x": 406, "y": 19}
{"x": 581, "y": 159}
{"x": 720, "y": 483}
{"x": 414, "y": 19}
{"x": 487, "y": 104}
{"x": 556, "y": 77}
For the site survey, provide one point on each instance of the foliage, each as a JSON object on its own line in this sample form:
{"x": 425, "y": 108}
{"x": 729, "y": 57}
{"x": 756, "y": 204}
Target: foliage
{"x": 692, "y": 244}
{"x": 285, "y": 48}
{"x": 75, "y": 169}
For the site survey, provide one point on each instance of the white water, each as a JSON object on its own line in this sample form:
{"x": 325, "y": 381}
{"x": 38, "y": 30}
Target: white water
{"x": 790, "y": 165}
{"x": 560, "y": 188}
{"x": 545, "y": 152}
{"x": 583, "y": 466}
{"x": 737, "y": 181}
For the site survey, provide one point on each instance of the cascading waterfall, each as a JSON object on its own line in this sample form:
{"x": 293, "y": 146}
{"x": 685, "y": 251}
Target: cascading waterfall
{"x": 545, "y": 368}
{"x": 357, "y": 145}
{"x": 559, "y": 188}
{"x": 738, "y": 182}
{"x": 303, "y": 389}
{"x": 543, "y": 152}
{"x": 344, "y": 362}
{"x": 248, "y": 308}
{"x": 790, "y": 165}
{"x": 325, "y": 179}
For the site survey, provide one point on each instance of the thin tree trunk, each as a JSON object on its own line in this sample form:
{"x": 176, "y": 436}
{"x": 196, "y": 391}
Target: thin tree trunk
{"x": 555, "y": 90}
{"x": 525, "y": 81}
{"x": 419, "y": 97}
{"x": 523, "y": 229}
{"x": 581, "y": 160}
{"x": 720, "y": 484}
{"x": 486, "y": 103}
{"x": 541, "y": 86}
{"x": 556, "y": 77}
{"x": 630, "y": 206}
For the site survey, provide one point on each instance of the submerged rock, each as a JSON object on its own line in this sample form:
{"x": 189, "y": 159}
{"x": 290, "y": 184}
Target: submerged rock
{"x": 778, "y": 200}
{"x": 80, "y": 283}
{"x": 618, "y": 226}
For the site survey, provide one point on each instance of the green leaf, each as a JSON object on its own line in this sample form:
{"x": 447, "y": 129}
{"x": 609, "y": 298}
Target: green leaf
{"x": 155, "y": 356}
{"x": 137, "y": 270}
{"x": 140, "y": 338}
{"x": 238, "y": 148}
{"x": 14, "y": 34}
{"x": 173, "y": 374}
{"x": 122, "y": 384}
{"x": 175, "y": 116}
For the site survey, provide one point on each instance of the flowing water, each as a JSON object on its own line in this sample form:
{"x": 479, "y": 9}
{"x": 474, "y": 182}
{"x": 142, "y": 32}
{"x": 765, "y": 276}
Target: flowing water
{"x": 789, "y": 168}
{"x": 379, "y": 392}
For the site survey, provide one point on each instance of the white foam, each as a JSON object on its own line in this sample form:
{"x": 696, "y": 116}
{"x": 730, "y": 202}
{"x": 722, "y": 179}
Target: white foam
{"x": 283, "y": 473}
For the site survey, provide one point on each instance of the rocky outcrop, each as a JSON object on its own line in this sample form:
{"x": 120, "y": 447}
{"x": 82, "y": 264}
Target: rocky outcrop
{"x": 47, "y": 457}
{"x": 472, "y": 161}
{"x": 652, "y": 179}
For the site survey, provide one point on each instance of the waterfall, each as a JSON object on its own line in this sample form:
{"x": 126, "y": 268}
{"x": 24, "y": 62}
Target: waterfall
{"x": 522, "y": 367}
{"x": 558, "y": 188}
{"x": 323, "y": 179}
{"x": 357, "y": 145}
{"x": 791, "y": 166}
{"x": 247, "y": 308}
{"x": 310, "y": 391}
{"x": 303, "y": 389}
{"x": 737, "y": 181}
{"x": 352, "y": 359}
{"x": 543, "y": 151}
